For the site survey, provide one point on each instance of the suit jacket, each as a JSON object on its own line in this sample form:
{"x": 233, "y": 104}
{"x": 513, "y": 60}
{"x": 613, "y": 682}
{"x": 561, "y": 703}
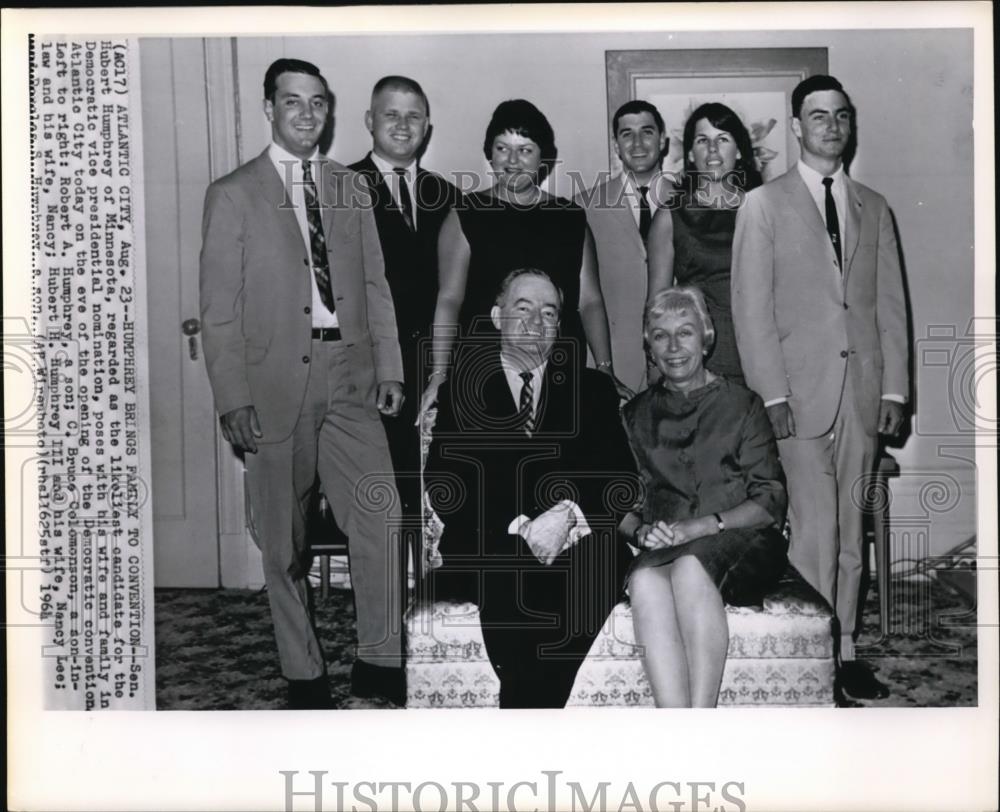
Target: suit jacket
{"x": 256, "y": 293}
{"x": 411, "y": 257}
{"x": 482, "y": 470}
{"x": 621, "y": 259}
{"x": 801, "y": 325}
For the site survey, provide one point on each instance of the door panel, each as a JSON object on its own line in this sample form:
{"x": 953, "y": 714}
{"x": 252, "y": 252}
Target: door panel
{"x": 183, "y": 433}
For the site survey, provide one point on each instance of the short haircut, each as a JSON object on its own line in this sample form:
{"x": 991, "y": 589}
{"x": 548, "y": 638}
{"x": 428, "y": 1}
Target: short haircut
{"x": 723, "y": 118}
{"x": 517, "y": 273}
{"x": 634, "y": 107}
{"x": 280, "y": 66}
{"x": 521, "y": 117}
{"x": 403, "y": 84}
{"x": 814, "y": 84}
{"x": 675, "y": 300}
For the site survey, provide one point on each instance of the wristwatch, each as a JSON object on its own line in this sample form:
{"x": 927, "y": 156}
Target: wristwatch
{"x": 718, "y": 521}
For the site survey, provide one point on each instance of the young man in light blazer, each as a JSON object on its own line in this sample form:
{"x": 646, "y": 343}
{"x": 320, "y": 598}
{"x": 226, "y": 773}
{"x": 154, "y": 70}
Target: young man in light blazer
{"x": 619, "y": 213}
{"x": 303, "y": 357}
{"x": 821, "y": 326}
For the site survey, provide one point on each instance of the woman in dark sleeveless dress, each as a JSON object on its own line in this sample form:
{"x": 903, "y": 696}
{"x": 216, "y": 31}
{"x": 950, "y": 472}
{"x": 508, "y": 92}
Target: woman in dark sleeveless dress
{"x": 516, "y": 225}
{"x": 692, "y": 244}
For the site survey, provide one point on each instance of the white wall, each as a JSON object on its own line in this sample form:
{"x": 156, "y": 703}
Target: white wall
{"x": 913, "y": 91}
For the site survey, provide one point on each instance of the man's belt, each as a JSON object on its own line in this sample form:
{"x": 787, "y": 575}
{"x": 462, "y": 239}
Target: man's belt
{"x": 326, "y": 334}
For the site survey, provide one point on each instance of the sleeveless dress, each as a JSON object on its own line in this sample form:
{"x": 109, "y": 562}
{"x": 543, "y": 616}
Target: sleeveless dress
{"x": 504, "y": 236}
{"x": 705, "y": 452}
{"x": 703, "y": 254}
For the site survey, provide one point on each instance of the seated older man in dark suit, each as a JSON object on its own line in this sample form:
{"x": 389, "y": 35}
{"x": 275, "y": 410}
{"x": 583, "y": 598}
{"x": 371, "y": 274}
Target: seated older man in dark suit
{"x": 531, "y": 472}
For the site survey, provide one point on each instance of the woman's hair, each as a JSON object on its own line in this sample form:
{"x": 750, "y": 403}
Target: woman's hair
{"x": 677, "y": 300}
{"x": 523, "y": 118}
{"x": 746, "y": 174}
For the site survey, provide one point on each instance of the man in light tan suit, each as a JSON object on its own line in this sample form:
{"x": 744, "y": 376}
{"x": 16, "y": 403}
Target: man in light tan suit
{"x": 302, "y": 354}
{"x": 820, "y": 318}
{"x": 619, "y": 212}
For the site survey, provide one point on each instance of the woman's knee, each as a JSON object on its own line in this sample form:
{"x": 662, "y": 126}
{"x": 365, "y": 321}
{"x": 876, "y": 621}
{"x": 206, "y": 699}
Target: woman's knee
{"x": 648, "y": 584}
{"x": 687, "y": 569}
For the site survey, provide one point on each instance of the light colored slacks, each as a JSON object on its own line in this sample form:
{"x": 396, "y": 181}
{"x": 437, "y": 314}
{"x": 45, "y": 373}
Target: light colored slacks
{"x": 339, "y": 439}
{"x": 825, "y": 484}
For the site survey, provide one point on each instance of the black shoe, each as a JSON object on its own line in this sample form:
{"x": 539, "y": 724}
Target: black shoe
{"x": 368, "y": 680}
{"x": 857, "y": 680}
{"x": 842, "y": 700}
{"x": 309, "y": 694}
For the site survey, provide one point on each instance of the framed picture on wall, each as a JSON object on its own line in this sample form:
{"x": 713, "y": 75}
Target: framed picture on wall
{"x": 756, "y": 83}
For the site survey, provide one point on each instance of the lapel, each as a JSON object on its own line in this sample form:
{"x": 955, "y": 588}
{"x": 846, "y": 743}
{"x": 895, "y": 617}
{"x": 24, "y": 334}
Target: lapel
{"x": 336, "y": 194}
{"x": 556, "y": 409}
{"x": 501, "y": 404}
{"x": 273, "y": 190}
{"x": 855, "y": 211}
{"x": 803, "y": 204}
{"x": 498, "y": 400}
{"x": 384, "y": 201}
{"x": 624, "y": 222}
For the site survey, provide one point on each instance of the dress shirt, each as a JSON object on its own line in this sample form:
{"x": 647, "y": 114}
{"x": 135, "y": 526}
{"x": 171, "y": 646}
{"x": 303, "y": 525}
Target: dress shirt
{"x": 631, "y": 195}
{"x": 514, "y": 381}
{"x": 392, "y": 181}
{"x": 814, "y": 183}
{"x": 289, "y": 169}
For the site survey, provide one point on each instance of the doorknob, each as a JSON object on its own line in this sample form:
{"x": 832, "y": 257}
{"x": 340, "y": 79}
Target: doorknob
{"x": 191, "y": 328}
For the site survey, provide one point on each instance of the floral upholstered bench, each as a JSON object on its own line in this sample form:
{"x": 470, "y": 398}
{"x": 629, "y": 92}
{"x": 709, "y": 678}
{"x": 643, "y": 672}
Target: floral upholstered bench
{"x": 780, "y": 653}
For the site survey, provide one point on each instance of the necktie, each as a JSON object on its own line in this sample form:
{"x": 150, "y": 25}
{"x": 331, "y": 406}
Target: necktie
{"x": 645, "y": 218}
{"x": 832, "y": 223}
{"x": 317, "y": 242}
{"x": 526, "y": 404}
{"x": 405, "y": 201}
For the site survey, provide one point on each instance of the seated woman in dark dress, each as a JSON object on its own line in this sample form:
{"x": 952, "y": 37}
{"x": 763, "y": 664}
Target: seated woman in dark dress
{"x": 714, "y": 504}
{"x": 515, "y": 224}
{"x": 691, "y": 241}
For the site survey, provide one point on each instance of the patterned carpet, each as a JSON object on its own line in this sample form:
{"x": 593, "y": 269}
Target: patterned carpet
{"x": 215, "y": 649}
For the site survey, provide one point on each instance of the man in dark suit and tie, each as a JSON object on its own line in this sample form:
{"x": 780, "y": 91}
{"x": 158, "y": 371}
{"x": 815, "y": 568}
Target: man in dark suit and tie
{"x": 619, "y": 212}
{"x": 410, "y": 205}
{"x": 530, "y": 472}
{"x": 820, "y": 318}
{"x": 303, "y": 357}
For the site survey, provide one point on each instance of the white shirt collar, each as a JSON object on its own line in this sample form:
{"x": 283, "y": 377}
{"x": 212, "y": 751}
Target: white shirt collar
{"x": 279, "y": 156}
{"x": 814, "y": 179}
{"x": 387, "y": 168}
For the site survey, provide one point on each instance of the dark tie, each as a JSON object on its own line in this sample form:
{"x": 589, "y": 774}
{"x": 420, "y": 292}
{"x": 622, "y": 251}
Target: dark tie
{"x": 526, "y": 404}
{"x": 645, "y": 218}
{"x": 317, "y": 242}
{"x": 405, "y": 201}
{"x": 832, "y": 223}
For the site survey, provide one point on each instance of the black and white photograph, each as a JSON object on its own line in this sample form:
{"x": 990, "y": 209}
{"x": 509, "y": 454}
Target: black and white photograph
{"x": 421, "y": 413}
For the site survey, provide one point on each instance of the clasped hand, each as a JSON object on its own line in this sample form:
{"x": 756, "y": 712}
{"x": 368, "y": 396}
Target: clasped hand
{"x": 548, "y": 533}
{"x": 661, "y": 534}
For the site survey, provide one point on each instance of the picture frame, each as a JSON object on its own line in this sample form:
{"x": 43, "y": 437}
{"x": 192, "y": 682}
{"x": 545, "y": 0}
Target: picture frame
{"x": 756, "y": 83}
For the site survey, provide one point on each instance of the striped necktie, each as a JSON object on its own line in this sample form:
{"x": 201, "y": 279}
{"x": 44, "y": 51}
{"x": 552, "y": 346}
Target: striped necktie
{"x": 526, "y": 404}
{"x": 317, "y": 241}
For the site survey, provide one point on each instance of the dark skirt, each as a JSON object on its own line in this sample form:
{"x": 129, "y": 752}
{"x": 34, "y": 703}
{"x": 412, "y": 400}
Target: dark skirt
{"x": 744, "y": 564}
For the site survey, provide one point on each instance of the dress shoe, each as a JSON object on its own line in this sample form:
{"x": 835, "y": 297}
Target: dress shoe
{"x": 309, "y": 694}
{"x": 368, "y": 680}
{"x": 857, "y": 680}
{"x": 842, "y": 700}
